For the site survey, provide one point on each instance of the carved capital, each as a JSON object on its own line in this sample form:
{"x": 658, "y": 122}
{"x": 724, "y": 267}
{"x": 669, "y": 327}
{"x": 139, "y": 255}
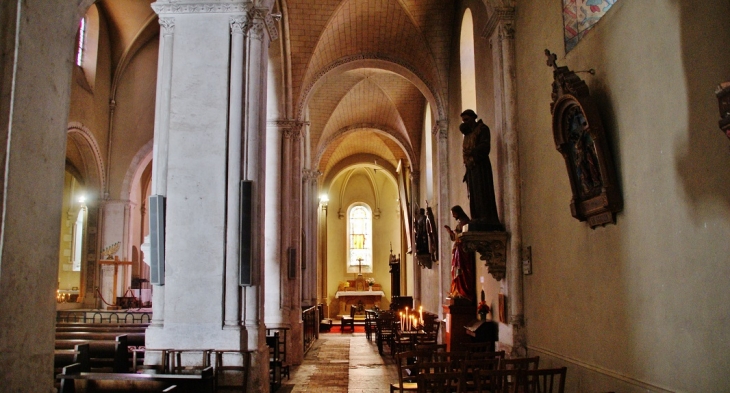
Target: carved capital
{"x": 310, "y": 176}
{"x": 256, "y": 29}
{"x": 502, "y": 16}
{"x": 167, "y": 25}
{"x": 239, "y": 24}
{"x": 270, "y": 23}
{"x": 492, "y": 249}
{"x": 291, "y": 128}
{"x": 441, "y": 129}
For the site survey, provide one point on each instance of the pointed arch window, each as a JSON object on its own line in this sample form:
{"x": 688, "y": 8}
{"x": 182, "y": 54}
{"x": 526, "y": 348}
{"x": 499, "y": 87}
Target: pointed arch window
{"x": 360, "y": 239}
{"x": 468, "y": 64}
{"x": 81, "y": 44}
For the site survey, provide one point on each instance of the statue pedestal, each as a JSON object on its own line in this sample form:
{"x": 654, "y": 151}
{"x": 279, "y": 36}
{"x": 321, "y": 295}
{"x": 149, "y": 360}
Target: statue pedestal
{"x": 458, "y": 313}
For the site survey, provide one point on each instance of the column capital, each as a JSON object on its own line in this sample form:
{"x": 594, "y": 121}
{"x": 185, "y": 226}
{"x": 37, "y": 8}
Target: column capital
{"x": 290, "y": 128}
{"x": 269, "y": 22}
{"x": 310, "y": 175}
{"x": 441, "y": 129}
{"x": 239, "y": 24}
{"x": 502, "y": 20}
{"x": 167, "y": 25}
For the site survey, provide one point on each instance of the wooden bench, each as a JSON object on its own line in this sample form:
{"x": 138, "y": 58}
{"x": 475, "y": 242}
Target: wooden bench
{"x": 104, "y": 355}
{"x": 79, "y": 354}
{"x": 73, "y": 380}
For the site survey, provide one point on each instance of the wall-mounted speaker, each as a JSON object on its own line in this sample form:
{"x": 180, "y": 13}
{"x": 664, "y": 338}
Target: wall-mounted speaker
{"x": 246, "y": 219}
{"x": 157, "y": 239}
{"x": 291, "y": 253}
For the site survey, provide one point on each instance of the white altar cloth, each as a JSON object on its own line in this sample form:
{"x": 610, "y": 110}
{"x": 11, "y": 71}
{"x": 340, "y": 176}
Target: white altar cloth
{"x": 359, "y": 293}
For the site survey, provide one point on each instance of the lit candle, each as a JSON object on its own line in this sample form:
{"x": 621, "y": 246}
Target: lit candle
{"x": 420, "y": 311}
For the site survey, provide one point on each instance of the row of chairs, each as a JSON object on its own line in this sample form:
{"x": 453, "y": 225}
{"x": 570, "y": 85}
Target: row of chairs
{"x": 431, "y": 369}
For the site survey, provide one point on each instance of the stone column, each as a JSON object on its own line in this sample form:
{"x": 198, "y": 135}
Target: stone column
{"x": 291, "y": 223}
{"x": 500, "y": 32}
{"x": 441, "y": 132}
{"x": 160, "y": 146}
{"x": 197, "y": 121}
{"x": 34, "y": 102}
{"x": 415, "y": 206}
{"x": 233, "y": 224}
{"x": 310, "y": 203}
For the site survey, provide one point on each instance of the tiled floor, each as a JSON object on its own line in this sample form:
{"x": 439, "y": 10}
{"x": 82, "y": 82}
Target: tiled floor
{"x": 368, "y": 371}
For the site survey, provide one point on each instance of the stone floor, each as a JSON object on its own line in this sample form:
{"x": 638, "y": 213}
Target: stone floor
{"x": 323, "y": 369}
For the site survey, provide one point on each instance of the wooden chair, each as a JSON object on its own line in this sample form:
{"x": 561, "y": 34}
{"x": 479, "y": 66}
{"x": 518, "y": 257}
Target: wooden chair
{"x": 470, "y": 369}
{"x": 495, "y": 381}
{"x": 549, "y": 380}
{"x": 406, "y": 363}
{"x": 453, "y": 358}
{"x": 519, "y": 364}
{"x": 371, "y": 324}
{"x": 487, "y": 355}
{"x": 231, "y": 370}
{"x": 441, "y": 382}
{"x": 386, "y": 329}
{"x": 349, "y": 320}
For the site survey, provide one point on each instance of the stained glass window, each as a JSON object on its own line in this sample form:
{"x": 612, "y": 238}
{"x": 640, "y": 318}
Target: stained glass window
{"x": 360, "y": 242}
{"x": 579, "y": 16}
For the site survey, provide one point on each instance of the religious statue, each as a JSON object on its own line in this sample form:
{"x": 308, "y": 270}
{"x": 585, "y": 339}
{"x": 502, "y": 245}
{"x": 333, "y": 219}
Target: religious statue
{"x": 463, "y": 279}
{"x": 423, "y": 257}
{"x": 478, "y": 177}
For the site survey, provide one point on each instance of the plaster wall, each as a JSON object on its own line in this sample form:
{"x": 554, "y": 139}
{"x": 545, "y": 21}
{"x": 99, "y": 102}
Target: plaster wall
{"x": 386, "y": 230}
{"x": 134, "y": 114}
{"x": 636, "y": 306}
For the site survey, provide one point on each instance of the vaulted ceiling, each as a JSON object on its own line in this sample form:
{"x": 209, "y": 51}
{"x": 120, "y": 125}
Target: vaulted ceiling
{"x": 362, "y": 71}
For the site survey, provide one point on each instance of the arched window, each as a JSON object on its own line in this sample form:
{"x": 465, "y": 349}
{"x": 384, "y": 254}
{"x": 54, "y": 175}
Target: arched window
{"x": 87, "y": 45}
{"x": 78, "y": 240}
{"x": 360, "y": 239}
{"x": 468, "y": 67}
{"x": 81, "y": 44}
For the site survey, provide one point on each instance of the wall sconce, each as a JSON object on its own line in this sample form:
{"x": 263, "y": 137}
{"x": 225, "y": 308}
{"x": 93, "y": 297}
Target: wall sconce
{"x": 324, "y": 200}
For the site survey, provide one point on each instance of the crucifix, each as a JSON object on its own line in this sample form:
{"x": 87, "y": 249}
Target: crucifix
{"x": 359, "y": 266}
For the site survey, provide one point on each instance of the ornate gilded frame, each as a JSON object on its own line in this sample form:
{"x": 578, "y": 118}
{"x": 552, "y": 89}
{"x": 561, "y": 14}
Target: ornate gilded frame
{"x": 581, "y": 140}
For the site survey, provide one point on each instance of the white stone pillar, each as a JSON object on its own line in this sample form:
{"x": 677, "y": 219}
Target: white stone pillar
{"x": 161, "y": 142}
{"x": 254, "y": 157}
{"x": 441, "y": 132}
{"x": 500, "y": 32}
{"x": 232, "y": 318}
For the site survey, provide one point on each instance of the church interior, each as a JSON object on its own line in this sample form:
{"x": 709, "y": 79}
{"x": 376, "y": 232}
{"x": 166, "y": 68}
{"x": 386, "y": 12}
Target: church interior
{"x": 230, "y": 168}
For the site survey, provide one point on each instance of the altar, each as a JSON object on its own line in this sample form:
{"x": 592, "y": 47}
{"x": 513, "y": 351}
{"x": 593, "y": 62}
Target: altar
{"x": 362, "y": 299}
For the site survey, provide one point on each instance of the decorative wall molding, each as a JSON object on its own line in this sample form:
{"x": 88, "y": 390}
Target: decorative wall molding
{"x": 200, "y": 7}
{"x": 601, "y": 370}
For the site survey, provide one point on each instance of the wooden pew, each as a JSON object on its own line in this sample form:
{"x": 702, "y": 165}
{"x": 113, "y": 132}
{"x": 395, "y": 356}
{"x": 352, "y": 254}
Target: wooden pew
{"x": 133, "y": 339}
{"x": 112, "y": 355}
{"x": 80, "y": 354}
{"x": 73, "y": 380}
